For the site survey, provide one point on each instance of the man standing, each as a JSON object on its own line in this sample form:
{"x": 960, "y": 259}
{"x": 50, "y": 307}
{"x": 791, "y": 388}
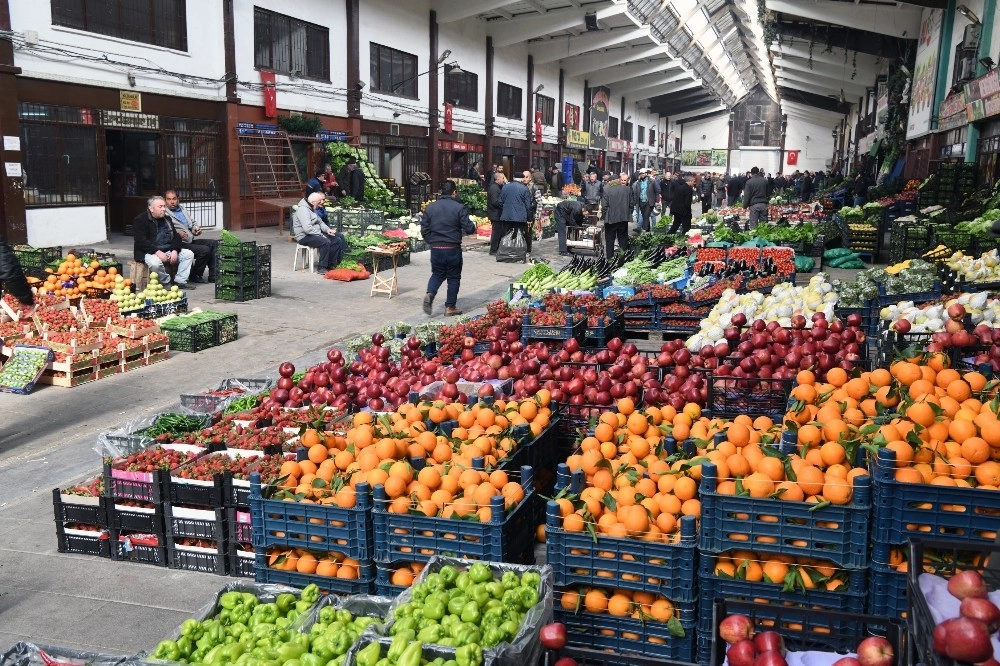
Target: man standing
{"x": 568, "y": 213}
{"x": 442, "y": 226}
{"x": 593, "y": 168}
{"x": 593, "y": 189}
{"x": 734, "y": 188}
{"x": 493, "y": 211}
{"x": 807, "y": 186}
{"x": 646, "y": 193}
{"x": 780, "y": 183}
{"x": 204, "y": 249}
{"x": 705, "y": 192}
{"x": 555, "y": 181}
{"x": 666, "y": 190}
{"x": 159, "y": 245}
{"x": 13, "y": 280}
{"x": 352, "y": 181}
{"x": 617, "y": 204}
{"x": 719, "y": 191}
{"x": 310, "y": 230}
{"x": 474, "y": 174}
{"x": 680, "y": 205}
{"x": 516, "y": 202}
{"x": 755, "y": 198}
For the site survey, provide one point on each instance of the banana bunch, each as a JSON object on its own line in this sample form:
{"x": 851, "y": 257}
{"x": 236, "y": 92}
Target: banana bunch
{"x": 939, "y": 253}
{"x": 896, "y": 269}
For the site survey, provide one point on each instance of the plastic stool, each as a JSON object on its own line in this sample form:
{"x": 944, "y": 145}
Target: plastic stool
{"x": 309, "y": 257}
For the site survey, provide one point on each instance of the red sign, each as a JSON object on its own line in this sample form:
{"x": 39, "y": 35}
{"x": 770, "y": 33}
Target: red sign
{"x": 270, "y": 94}
{"x": 538, "y": 126}
{"x": 448, "y": 111}
{"x": 793, "y": 157}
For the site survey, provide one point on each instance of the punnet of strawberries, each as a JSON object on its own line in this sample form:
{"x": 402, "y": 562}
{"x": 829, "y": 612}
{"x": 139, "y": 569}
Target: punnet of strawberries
{"x": 57, "y": 320}
{"x": 152, "y": 459}
{"x": 92, "y": 488}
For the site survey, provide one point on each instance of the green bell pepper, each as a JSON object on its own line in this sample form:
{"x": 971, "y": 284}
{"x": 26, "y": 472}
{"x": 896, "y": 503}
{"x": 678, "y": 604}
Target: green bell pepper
{"x": 480, "y": 573}
{"x": 310, "y": 593}
{"x": 434, "y": 609}
{"x": 510, "y": 628}
{"x": 404, "y": 610}
{"x": 363, "y": 622}
{"x": 309, "y": 659}
{"x": 167, "y": 650}
{"x": 342, "y": 642}
{"x": 214, "y": 656}
{"x": 284, "y": 602}
{"x": 478, "y": 593}
{"x": 510, "y": 581}
{"x": 232, "y": 652}
{"x": 456, "y": 604}
{"x": 327, "y": 614}
{"x": 448, "y": 574}
{"x": 493, "y": 636}
{"x": 463, "y": 581}
{"x": 288, "y": 651}
{"x": 430, "y": 634}
{"x": 263, "y": 614}
{"x": 231, "y": 599}
{"x": 368, "y": 655}
{"x": 396, "y": 648}
{"x": 302, "y": 605}
{"x": 186, "y": 646}
{"x": 469, "y": 655}
{"x": 413, "y": 655}
{"x": 192, "y": 629}
{"x": 471, "y": 613}
{"x": 434, "y": 582}
{"x": 494, "y": 589}
{"x": 404, "y": 624}
{"x": 528, "y": 596}
{"x": 531, "y": 579}
{"x": 447, "y": 640}
{"x": 249, "y": 599}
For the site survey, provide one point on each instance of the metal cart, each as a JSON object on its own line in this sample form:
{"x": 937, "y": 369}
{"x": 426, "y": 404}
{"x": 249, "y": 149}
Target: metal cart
{"x": 589, "y": 238}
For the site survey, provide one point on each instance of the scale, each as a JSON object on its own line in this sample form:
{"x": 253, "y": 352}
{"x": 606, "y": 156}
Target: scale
{"x": 586, "y": 239}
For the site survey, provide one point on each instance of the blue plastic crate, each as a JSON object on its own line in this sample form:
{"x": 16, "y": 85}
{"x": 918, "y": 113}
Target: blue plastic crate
{"x": 802, "y": 629}
{"x": 383, "y": 579}
{"x": 869, "y": 316}
{"x": 729, "y": 396}
{"x": 323, "y": 527}
{"x": 574, "y": 329}
{"x": 885, "y": 299}
{"x": 835, "y": 533}
{"x": 598, "y": 336}
{"x": 577, "y": 558}
{"x": 508, "y": 537}
{"x": 362, "y": 585}
{"x": 712, "y": 588}
{"x": 605, "y": 632}
{"x": 888, "y": 592}
{"x": 905, "y": 510}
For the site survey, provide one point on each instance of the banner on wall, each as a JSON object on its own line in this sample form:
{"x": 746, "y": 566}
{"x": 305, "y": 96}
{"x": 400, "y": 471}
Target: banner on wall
{"x": 577, "y": 139}
{"x": 922, "y": 88}
{"x": 270, "y": 94}
{"x": 600, "y": 100}
{"x": 449, "y": 116}
{"x": 703, "y": 158}
{"x": 571, "y": 116}
{"x": 719, "y": 158}
{"x": 793, "y": 157}
{"x": 538, "y": 127}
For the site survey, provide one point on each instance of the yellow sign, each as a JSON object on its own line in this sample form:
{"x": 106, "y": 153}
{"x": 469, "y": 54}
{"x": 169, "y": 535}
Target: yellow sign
{"x": 577, "y": 139}
{"x": 130, "y": 101}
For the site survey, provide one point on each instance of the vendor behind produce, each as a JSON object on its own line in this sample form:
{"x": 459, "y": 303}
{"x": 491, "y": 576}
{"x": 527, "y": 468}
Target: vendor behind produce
{"x": 755, "y": 198}
{"x": 352, "y": 182}
{"x": 13, "y": 280}
{"x": 310, "y": 230}
{"x": 568, "y": 213}
{"x": 159, "y": 245}
{"x": 204, "y": 249}
{"x": 593, "y": 189}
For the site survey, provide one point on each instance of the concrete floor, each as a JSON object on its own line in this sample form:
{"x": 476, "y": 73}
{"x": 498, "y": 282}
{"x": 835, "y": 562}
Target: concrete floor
{"x": 47, "y": 440}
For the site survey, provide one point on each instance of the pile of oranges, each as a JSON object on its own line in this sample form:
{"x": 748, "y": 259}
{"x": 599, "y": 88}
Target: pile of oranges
{"x": 74, "y": 276}
{"x": 404, "y": 575}
{"x": 793, "y": 573}
{"x": 643, "y": 606}
{"x": 445, "y": 482}
{"x": 331, "y": 565}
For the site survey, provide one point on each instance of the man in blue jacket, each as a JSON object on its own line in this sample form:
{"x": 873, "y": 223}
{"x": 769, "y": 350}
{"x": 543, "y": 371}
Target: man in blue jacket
{"x": 646, "y": 192}
{"x": 516, "y": 204}
{"x": 442, "y": 226}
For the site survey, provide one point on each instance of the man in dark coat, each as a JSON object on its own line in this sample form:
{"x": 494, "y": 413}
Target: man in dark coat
{"x": 666, "y": 189}
{"x": 516, "y": 204}
{"x": 493, "y": 211}
{"x": 352, "y": 181}
{"x": 442, "y": 226}
{"x": 807, "y": 186}
{"x": 555, "y": 181}
{"x": 646, "y": 193}
{"x": 680, "y": 206}
{"x": 617, "y": 203}
{"x": 568, "y": 213}
{"x": 158, "y": 244}
{"x": 13, "y": 280}
{"x": 705, "y": 192}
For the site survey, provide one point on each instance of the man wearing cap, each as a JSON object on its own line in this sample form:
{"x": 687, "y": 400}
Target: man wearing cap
{"x": 755, "y": 197}
{"x": 352, "y": 181}
{"x": 646, "y": 192}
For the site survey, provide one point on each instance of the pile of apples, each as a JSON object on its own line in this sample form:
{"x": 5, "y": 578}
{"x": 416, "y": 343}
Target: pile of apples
{"x": 968, "y": 637}
{"x": 748, "y": 647}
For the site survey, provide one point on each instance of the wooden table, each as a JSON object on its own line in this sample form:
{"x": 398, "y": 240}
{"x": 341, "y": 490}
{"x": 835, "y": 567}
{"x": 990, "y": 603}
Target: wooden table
{"x": 380, "y": 283}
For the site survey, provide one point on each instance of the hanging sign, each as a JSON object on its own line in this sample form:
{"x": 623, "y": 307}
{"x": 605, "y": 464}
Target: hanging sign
{"x": 129, "y": 101}
{"x": 600, "y": 99}
{"x": 538, "y": 127}
{"x": 449, "y": 116}
{"x": 793, "y": 157}
{"x": 270, "y": 94}
{"x": 577, "y": 139}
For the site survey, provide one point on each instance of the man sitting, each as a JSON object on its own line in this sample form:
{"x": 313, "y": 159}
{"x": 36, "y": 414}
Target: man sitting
{"x": 159, "y": 245}
{"x": 203, "y": 248}
{"x": 310, "y": 230}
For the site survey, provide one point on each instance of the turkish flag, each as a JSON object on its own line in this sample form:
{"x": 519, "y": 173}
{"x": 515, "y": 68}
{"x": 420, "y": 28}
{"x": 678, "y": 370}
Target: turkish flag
{"x": 270, "y": 94}
{"x": 538, "y": 127}
{"x": 793, "y": 157}
{"x": 448, "y": 116}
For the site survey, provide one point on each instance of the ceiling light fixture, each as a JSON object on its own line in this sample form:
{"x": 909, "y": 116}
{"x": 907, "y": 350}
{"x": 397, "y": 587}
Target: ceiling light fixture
{"x": 444, "y": 56}
{"x": 967, "y": 13}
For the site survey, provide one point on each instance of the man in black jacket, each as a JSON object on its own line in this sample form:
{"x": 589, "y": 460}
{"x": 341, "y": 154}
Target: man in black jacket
{"x": 646, "y": 193}
{"x": 442, "y": 227}
{"x": 680, "y": 206}
{"x": 666, "y": 190}
{"x": 352, "y": 181}
{"x": 705, "y": 192}
{"x": 616, "y": 206}
{"x": 158, "y": 244}
{"x": 755, "y": 198}
{"x": 13, "y": 280}
{"x": 493, "y": 211}
{"x": 568, "y": 213}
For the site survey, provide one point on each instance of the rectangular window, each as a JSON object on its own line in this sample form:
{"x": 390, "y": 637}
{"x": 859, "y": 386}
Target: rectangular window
{"x": 627, "y": 132}
{"x": 652, "y": 136}
{"x": 60, "y": 161}
{"x": 612, "y": 128}
{"x": 393, "y": 72}
{"x": 289, "y": 46}
{"x": 461, "y": 88}
{"x": 642, "y": 133}
{"x": 159, "y": 22}
{"x": 547, "y": 106}
{"x": 508, "y": 101}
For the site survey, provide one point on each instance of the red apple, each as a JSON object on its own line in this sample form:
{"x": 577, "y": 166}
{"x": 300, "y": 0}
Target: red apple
{"x": 770, "y": 658}
{"x": 966, "y": 584}
{"x": 967, "y": 640}
{"x": 735, "y": 628}
{"x": 875, "y": 651}
{"x": 981, "y": 609}
{"x": 741, "y": 653}
{"x": 766, "y": 641}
